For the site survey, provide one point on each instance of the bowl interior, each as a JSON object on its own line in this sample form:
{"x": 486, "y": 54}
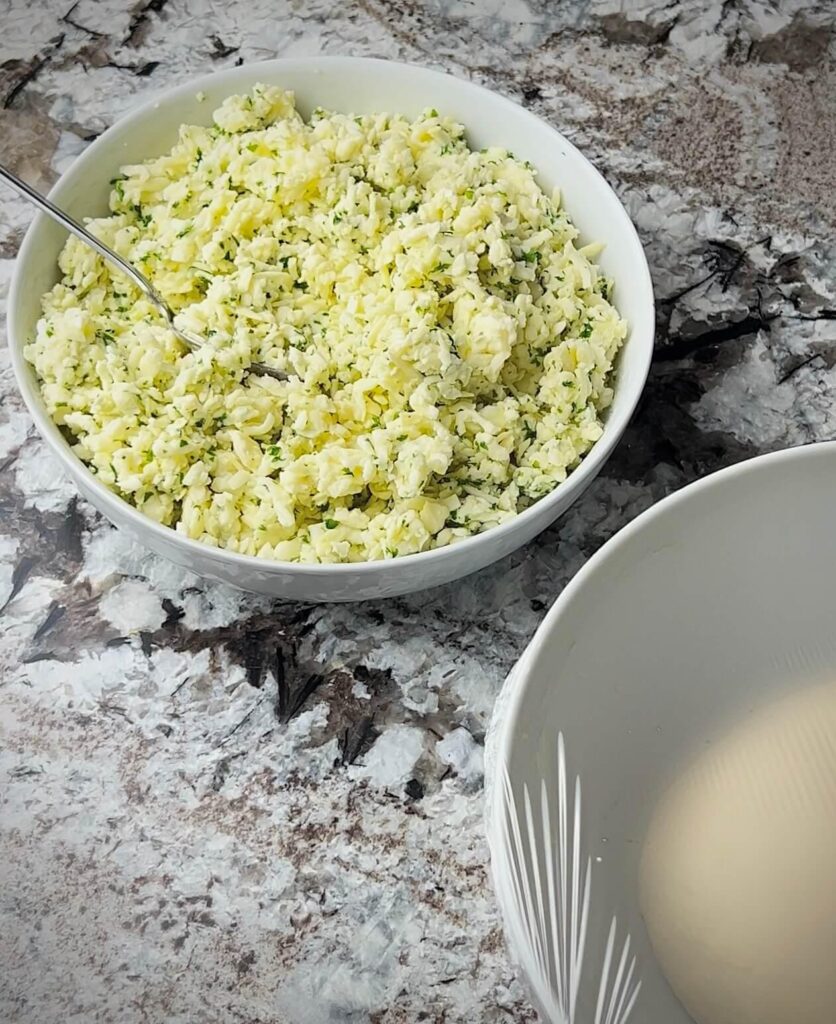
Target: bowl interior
{"x": 702, "y": 609}
{"x": 362, "y": 85}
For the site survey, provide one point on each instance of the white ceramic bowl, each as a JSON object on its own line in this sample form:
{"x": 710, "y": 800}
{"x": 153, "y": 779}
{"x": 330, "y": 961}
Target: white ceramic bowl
{"x": 704, "y": 607}
{"x": 345, "y": 84}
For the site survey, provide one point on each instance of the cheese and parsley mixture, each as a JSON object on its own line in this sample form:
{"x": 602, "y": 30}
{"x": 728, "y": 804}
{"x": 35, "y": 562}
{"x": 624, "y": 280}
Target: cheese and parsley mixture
{"x": 448, "y": 348}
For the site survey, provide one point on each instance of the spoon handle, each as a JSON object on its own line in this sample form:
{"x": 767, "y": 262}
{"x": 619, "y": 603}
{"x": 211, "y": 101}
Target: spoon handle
{"x": 72, "y": 225}
{"x": 142, "y": 282}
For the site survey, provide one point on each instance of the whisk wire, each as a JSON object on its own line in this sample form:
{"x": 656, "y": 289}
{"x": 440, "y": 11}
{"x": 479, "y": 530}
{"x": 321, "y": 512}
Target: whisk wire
{"x": 555, "y": 974}
{"x": 540, "y": 923}
{"x": 620, "y": 1004}
{"x": 564, "y": 863}
{"x": 580, "y": 911}
{"x": 544, "y": 887}
{"x": 611, "y": 1013}
{"x": 513, "y": 870}
{"x": 625, "y": 990}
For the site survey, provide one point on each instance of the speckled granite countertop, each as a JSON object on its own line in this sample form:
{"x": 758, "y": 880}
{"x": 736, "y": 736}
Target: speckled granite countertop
{"x": 213, "y": 808}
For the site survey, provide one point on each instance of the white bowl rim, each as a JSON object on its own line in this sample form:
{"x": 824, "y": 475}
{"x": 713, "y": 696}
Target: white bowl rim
{"x": 587, "y": 469}
{"x": 512, "y": 706}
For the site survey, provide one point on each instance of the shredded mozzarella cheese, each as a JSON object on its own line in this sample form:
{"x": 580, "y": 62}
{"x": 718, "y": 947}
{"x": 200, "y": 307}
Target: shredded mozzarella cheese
{"x": 448, "y": 348}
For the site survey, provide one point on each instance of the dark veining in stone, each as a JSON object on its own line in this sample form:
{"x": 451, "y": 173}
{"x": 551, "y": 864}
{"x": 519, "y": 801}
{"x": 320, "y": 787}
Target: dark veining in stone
{"x": 800, "y": 45}
{"x": 140, "y": 21}
{"x": 251, "y": 792}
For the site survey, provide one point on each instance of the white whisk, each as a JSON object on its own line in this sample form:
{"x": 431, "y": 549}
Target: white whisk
{"x": 544, "y": 892}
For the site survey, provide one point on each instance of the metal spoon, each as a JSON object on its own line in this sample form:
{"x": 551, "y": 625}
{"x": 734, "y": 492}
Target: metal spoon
{"x": 191, "y": 341}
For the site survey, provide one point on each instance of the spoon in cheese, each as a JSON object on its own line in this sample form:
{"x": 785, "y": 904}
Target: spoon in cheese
{"x": 191, "y": 341}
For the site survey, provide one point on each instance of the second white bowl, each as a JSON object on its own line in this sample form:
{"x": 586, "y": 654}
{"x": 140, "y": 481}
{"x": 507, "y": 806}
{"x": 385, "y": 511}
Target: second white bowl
{"x": 704, "y": 608}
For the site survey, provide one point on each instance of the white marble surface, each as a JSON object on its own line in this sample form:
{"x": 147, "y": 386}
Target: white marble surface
{"x": 215, "y": 808}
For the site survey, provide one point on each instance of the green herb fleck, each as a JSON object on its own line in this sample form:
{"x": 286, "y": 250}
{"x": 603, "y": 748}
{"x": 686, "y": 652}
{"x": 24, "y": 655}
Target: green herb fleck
{"x": 143, "y": 217}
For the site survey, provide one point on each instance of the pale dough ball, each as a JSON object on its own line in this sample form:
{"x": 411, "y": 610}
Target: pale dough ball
{"x": 738, "y": 873}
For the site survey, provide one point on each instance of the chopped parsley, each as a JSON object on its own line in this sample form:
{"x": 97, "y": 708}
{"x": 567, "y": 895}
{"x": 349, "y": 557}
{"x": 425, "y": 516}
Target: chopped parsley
{"x": 368, "y": 338}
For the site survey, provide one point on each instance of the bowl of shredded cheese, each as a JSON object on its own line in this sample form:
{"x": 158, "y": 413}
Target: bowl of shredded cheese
{"x": 459, "y": 304}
